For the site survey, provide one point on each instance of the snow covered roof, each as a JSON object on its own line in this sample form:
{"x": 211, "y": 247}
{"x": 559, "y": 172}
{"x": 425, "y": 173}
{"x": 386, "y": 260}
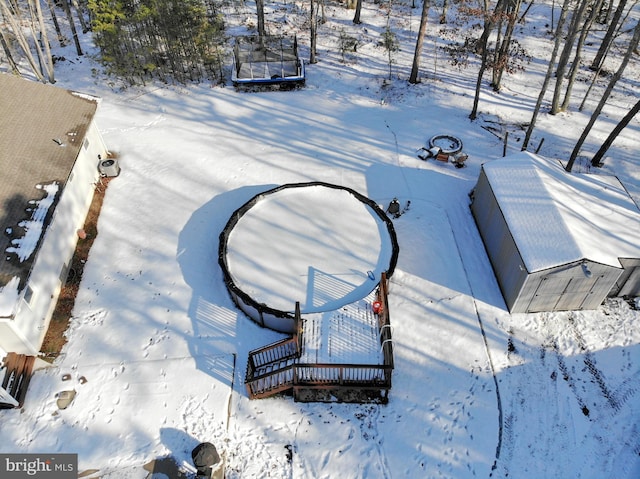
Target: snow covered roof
{"x": 42, "y": 129}
{"x": 557, "y": 217}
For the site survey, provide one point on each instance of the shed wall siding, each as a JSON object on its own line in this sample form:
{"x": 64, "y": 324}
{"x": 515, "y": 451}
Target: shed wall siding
{"x": 563, "y": 287}
{"x": 499, "y": 243}
{"x": 566, "y": 288}
{"x": 628, "y": 284}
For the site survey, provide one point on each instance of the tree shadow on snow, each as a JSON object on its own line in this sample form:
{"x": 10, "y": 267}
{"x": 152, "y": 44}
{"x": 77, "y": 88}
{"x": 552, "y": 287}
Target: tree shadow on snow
{"x": 214, "y": 316}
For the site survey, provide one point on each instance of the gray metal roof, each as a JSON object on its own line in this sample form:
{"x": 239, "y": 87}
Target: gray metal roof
{"x": 42, "y": 128}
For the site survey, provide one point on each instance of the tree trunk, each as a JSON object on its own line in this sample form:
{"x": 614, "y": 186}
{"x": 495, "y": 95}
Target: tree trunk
{"x": 7, "y": 52}
{"x": 313, "y": 34}
{"x": 260, "y": 11}
{"x": 489, "y": 22}
{"x": 443, "y": 16}
{"x": 578, "y": 55}
{"x": 83, "y": 24}
{"x": 597, "y": 71}
{"x": 22, "y": 41}
{"x": 56, "y": 25}
{"x": 608, "y": 37}
{"x": 356, "y": 16}
{"x": 415, "y": 68}
{"x": 574, "y": 27}
{"x": 547, "y": 78}
{"x": 503, "y": 51}
{"x": 597, "y": 158}
{"x": 43, "y": 40}
{"x": 74, "y": 32}
{"x": 633, "y": 44}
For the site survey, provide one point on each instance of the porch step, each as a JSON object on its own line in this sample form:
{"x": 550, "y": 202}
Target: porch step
{"x": 18, "y": 369}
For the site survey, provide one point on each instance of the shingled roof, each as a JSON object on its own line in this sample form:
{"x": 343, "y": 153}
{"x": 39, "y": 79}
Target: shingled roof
{"x": 42, "y": 128}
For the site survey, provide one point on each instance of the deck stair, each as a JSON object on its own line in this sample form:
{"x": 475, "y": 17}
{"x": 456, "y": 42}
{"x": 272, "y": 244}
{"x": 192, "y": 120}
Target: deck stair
{"x": 17, "y": 375}
{"x": 346, "y": 355}
{"x": 270, "y": 369}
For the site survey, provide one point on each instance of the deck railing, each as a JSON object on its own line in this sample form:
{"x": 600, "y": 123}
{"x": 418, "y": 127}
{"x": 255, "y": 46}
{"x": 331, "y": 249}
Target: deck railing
{"x": 341, "y": 374}
{"x": 384, "y": 322}
{"x": 270, "y": 368}
{"x": 274, "y": 368}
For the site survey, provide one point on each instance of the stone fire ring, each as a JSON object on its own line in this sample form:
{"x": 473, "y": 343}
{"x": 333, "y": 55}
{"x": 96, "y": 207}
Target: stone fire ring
{"x": 318, "y": 244}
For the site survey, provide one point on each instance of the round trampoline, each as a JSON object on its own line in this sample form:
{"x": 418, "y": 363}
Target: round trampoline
{"x": 318, "y": 244}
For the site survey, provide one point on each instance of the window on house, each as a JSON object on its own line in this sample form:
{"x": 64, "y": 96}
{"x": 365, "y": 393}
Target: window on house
{"x": 64, "y": 273}
{"x": 28, "y": 294}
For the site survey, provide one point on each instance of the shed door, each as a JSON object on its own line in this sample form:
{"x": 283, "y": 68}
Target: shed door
{"x": 559, "y": 292}
{"x": 577, "y": 293}
{"x": 546, "y": 296}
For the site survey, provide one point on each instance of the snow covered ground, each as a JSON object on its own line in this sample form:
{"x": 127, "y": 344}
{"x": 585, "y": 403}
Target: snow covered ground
{"x": 157, "y": 351}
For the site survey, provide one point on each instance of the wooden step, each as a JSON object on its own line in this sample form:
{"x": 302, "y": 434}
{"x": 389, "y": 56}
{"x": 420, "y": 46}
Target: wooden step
{"x": 18, "y": 371}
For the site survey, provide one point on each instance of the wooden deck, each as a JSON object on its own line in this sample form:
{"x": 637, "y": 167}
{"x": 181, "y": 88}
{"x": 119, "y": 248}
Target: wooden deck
{"x": 18, "y": 369}
{"x": 348, "y": 335}
{"x": 344, "y": 355}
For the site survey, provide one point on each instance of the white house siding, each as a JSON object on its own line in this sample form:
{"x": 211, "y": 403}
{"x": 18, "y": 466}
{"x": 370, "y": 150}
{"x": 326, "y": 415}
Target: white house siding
{"x": 57, "y": 246}
{"x": 10, "y": 338}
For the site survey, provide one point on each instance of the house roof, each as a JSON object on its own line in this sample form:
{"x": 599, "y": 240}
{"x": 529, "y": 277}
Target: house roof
{"x": 558, "y": 217}
{"x": 42, "y": 129}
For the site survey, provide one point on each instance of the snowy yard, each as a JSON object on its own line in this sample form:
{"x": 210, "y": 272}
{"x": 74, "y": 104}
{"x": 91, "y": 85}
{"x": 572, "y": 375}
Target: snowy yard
{"x": 477, "y": 392}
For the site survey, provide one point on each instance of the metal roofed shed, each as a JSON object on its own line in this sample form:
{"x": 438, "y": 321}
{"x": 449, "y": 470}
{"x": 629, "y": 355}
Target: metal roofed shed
{"x": 556, "y": 240}
{"x": 267, "y": 60}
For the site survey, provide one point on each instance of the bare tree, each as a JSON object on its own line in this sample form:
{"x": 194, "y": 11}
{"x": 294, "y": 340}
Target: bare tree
{"x": 83, "y": 23}
{"x": 8, "y": 54}
{"x": 547, "y": 78}
{"x": 578, "y": 54}
{"x": 607, "y": 47}
{"x": 41, "y": 39}
{"x": 608, "y": 37}
{"x": 415, "y": 68}
{"x": 260, "y": 12}
{"x": 356, "y": 16}
{"x": 490, "y": 19}
{"x": 74, "y": 32}
{"x": 10, "y": 18}
{"x": 575, "y": 26}
{"x": 501, "y": 55}
{"x": 633, "y": 44}
{"x": 314, "y": 32}
{"x": 597, "y": 158}
{"x": 56, "y": 24}
{"x": 443, "y": 15}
